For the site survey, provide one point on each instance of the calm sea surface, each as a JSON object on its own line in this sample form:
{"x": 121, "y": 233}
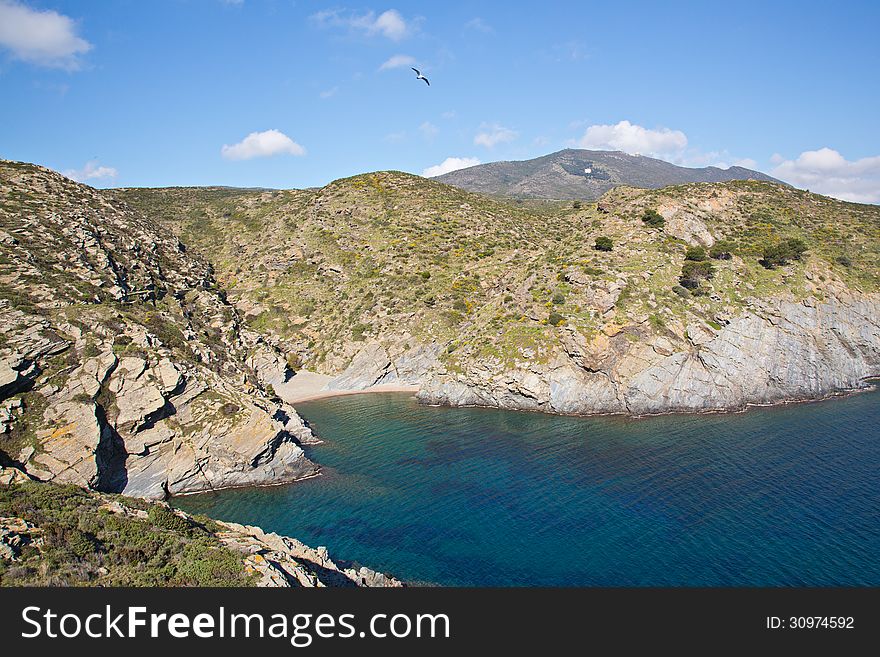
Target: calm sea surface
{"x": 778, "y": 496}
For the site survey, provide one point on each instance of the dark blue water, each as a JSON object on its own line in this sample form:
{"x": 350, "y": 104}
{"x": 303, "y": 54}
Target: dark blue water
{"x": 778, "y": 496}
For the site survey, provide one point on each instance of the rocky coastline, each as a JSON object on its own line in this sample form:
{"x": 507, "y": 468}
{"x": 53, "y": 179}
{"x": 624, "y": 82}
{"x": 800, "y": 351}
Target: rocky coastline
{"x": 781, "y": 351}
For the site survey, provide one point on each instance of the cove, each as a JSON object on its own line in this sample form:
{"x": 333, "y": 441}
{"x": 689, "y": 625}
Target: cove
{"x": 780, "y": 496}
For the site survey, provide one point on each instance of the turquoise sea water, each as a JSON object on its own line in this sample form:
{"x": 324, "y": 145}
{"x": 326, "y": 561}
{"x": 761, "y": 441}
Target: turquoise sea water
{"x": 787, "y": 495}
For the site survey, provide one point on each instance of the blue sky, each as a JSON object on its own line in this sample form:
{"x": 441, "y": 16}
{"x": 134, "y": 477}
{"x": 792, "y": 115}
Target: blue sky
{"x": 132, "y": 93}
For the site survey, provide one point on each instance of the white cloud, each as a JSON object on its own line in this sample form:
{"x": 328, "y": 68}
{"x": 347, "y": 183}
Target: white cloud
{"x": 448, "y": 115}
{"x": 45, "y": 38}
{"x": 395, "y": 137}
{"x": 479, "y": 25}
{"x": 262, "y": 144}
{"x": 389, "y": 24}
{"x": 827, "y": 172}
{"x": 398, "y": 61}
{"x": 660, "y": 143}
{"x": 329, "y": 93}
{"x": 634, "y": 139}
{"x": 429, "y": 130}
{"x": 450, "y": 164}
{"x": 91, "y": 171}
{"x": 493, "y": 133}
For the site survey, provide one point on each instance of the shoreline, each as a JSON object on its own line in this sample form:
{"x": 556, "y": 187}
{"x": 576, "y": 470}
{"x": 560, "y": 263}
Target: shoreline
{"x": 306, "y": 385}
{"x": 309, "y": 391}
{"x": 324, "y": 394}
{"x": 871, "y": 384}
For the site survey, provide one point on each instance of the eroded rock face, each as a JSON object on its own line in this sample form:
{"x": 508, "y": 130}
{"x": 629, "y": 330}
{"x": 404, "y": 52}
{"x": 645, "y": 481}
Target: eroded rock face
{"x": 133, "y": 372}
{"x": 784, "y": 350}
{"x": 281, "y": 561}
{"x": 373, "y": 366}
{"x": 149, "y": 428}
{"x": 686, "y": 225}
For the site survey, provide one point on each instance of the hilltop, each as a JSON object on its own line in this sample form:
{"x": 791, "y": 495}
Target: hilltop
{"x": 585, "y": 174}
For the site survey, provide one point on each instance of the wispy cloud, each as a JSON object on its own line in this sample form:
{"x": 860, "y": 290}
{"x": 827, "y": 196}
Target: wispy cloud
{"x": 450, "y": 164}
{"x": 329, "y": 93}
{"x": 493, "y": 133}
{"x": 389, "y": 24}
{"x": 428, "y": 130}
{"x": 398, "y": 61}
{"x": 479, "y": 25}
{"x": 262, "y": 144}
{"x": 395, "y": 137}
{"x": 828, "y": 172}
{"x": 572, "y": 51}
{"x": 91, "y": 171}
{"x": 45, "y": 38}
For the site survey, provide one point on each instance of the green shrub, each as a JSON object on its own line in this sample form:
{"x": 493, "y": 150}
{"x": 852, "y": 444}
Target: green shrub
{"x": 653, "y": 219}
{"x": 695, "y": 253}
{"x": 166, "y": 519}
{"x": 681, "y": 291}
{"x": 721, "y": 250}
{"x": 229, "y": 409}
{"x": 358, "y": 331}
{"x": 781, "y": 253}
{"x": 603, "y": 244}
{"x": 558, "y": 298}
{"x": 87, "y": 545}
{"x": 576, "y": 205}
{"x": 555, "y": 319}
{"x": 844, "y": 261}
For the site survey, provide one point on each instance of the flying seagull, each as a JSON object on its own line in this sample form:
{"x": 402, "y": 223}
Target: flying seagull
{"x": 419, "y": 76}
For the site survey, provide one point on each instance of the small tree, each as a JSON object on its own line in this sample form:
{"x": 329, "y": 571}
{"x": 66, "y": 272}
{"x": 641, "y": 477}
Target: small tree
{"x": 693, "y": 273}
{"x": 695, "y": 253}
{"x": 653, "y": 219}
{"x": 781, "y": 253}
{"x": 603, "y": 244}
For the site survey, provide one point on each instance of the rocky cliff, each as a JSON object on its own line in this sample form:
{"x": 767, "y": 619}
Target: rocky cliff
{"x": 122, "y": 366}
{"x": 778, "y": 350}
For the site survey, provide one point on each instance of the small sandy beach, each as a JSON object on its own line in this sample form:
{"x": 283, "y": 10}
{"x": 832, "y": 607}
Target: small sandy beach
{"x": 308, "y": 386}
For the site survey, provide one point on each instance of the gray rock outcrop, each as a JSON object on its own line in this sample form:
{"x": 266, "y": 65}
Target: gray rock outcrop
{"x": 781, "y": 350}
{"x": 134, "y": 372}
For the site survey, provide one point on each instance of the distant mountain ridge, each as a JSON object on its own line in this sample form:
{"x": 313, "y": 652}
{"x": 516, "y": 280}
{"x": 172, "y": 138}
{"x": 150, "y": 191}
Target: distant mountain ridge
{"x": 584, "y": 174}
